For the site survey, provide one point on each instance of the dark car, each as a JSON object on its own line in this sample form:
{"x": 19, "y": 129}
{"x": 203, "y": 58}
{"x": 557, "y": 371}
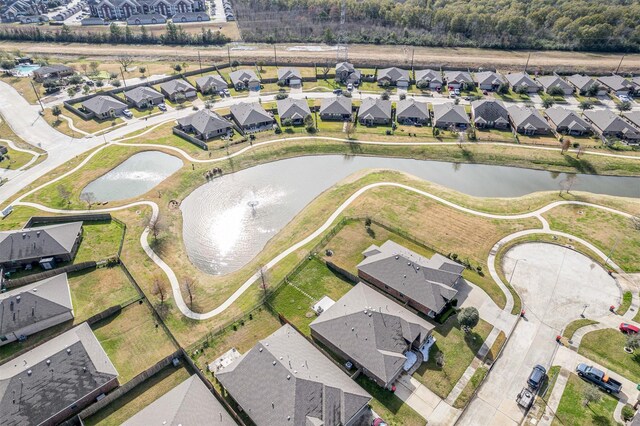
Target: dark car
{"x": 537, "y": 376}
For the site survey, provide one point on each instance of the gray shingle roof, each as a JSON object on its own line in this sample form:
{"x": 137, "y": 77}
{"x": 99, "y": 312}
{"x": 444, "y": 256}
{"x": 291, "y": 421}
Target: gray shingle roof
{"x": 521, "y": 78}
{"x": 409, "y": 108}
{"x": 243, "y": 76}
{"x": 77, "y": 366}
{"x": 429, "y": 75}
{"x": 102, "y": 104}
{"x": 633, "y": 117}
{"x": 293, "y": 108}
{"x": 617, "y": 83}
{"x": 209, "y": 82}
{"x": 393, "y": 74}
{"x": 285, "y": 380}
{"x": 427, "y": 281}
{"x": 288, "y": 73}
{"x": 53, "y": 68}
{"x": 43, "y": 241}
{"x": 142, "y": 93}
{"x": 581, "y": 82}
{"x": 566, "y": 118}
{"x": 189, "y": 403}
{"x": 250, "y": 113}
{"x": 450, "y": 113}
{"x": 344, "y": 66}
{"x": 336, "y": 105}
{"x": 374, "y": 108}
{"x": 609, "y": 122}
{"x": 177, "y": 86}
{"x": 488, "y": 77}
{"x": 458, "y": 76}
{"x": 489, "y": 110}
{"x": 548, "y": 81}
{"x": 527, "y": 117}
{"x": 205, "y": 121}
{"x": 372, "y": 330}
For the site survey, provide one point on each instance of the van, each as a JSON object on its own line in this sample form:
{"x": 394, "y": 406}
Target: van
{"x": 536, "y": 377}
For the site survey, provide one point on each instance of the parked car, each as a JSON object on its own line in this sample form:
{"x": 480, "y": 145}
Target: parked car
{"x": 457, "y": 92}
{"x": 598, "y": 378}
{"x": 337, "y": 92}
{"x": 127, "y": 113}
{"x": 629, "y": 328}
{"x": 349, "y": 87}
{"x": 536, "y": 377}
{"x": 162, "y": 107}
{"x": 484, "y": 92}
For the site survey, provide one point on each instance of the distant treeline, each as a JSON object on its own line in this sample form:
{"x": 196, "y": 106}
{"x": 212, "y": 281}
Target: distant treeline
{"x": 174, "y": 34}
{"x": 612, "y": 25}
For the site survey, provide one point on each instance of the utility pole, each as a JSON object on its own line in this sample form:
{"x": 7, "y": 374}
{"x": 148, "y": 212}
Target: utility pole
{"x": 275, "y": 55}
{"x": 527, "y": 64}
{"x": 413, "y": 52}
{"x": 229, "y": 54}
{"x": 200, "y": 62}
{"x": 621, "y": 59}
{"x": 37, "y": 95}
{"x": 123, "y": 80}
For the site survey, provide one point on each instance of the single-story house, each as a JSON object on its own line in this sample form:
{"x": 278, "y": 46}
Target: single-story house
{"x": 489, "y": 80}
{"x": 34, "y": 307}
{"x": 336, "y": 108}
{"x": 211, "y": 84}
{"x": 456, "y": 79}
{"x": 289, "y": 77}
{"x": 245, "y": 79}
{"x": 619, "y": 85}
{"x": 143, "y": 97}
{"x": 426, "y": 285}
{"x": 205, "y": 125}
{"x": 583, "y": 83}
{"x": 549, "y": 81}
{"x": 32, "y": 245}
{"x": 103, "y": 106}
{"x": 393, "y": 77}
{"x": 285, "y": 380}
{"x": 374, "y": 112}
{"x": 527, "y": 120}
{"x": 347, "y": 74}
{"x": 56, "y": 380}
{"x": 610, "y": 125}
{"x": 408, "y": 111}
{"x": 190, "y": 17}
{"x": 633, "y": 117}
{"x": 450, "y": 115}
{"x": 53, "y": 72}
{"x": 566, "y": 121}
{"x": 520, "y": 79}
{"x": 190, "y": 401}
{"x": 489, "y": 113}
{"x": 251, "y": 117}
{"x": 429, "y": 78}
{"x": 373, "y": 332}
{"x": 295, "y": 110}
{"x": 178, "y": 89}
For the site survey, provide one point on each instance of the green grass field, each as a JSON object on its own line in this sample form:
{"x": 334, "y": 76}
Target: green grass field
{"x": 606, "y": 347}
{"x": 572, "y": 410}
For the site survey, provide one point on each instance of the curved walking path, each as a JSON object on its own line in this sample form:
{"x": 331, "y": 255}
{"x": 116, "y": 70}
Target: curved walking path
{"x": 35, "y": 155}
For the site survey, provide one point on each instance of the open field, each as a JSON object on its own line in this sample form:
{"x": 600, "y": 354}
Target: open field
{"x": 611, "y": 355}
{"x": 572, "y": 410}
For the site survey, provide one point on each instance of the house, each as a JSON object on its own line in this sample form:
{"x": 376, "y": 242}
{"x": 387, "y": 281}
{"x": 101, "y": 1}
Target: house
{"x": 567, "y": 122}
{"x": 143, "y": 97}
{"x": 522, "y": 79}
{"x": 347, "y": 74}
{"x": 245, "y": 80}
{"x": 55, "y": 380}
{"x": 410, "y": 112}
{"x": 13, "y": 10}
{"x": 489, "y": 113}
{"x": 211, "y": 84}
{"x": 52, "y": 72}
{"x": 549, "y": 81}
{"x": 251, "y": 117}
{"x": 609, "y": 125}
{"x": 426, "y": 285}
{"x": 295, "y": 110}
{"x": 201, "y": 16}
{"x": 583, "y": 83}
{"x": 285, "y": 380}
{"x": 373, "y": 332}
{"x": 103, "y": 107}
{"x": 178, "y": 90}
{"x": 393, "y": 77}
{"x": 205, "y": 125}
{"x": 527, "y": 120}
{"x": 374, "y": 112}
{"x": 126, "y": 9}
{"x": 32, "y": 245}
{"x": 289, "y": 77}
{"x": 633, "y": 117}
{"x": 458, "y": 79}
{"x": 139, "y": 19}
{"x": 188, "y": 403}
{"x": 34, "y": 307}
{"x": 429, "y": 79}
{"x": 489, "y": 80}
{"x": 336, "y": 108}
{"x": 450, "y": 115}
{"x": 619, "y": 85}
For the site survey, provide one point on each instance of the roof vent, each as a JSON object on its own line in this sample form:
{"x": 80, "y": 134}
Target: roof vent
{"x": 24, "y": 235}
{"x": 274, "y": 363}
{"x": 29, "y": 373}
{"x": 365, "y": 312}
{"x": 288, "y": 376}
{"x": 18, "y": 299}
{"x": 37, "y": 233}
{"x": 84, "y": 369}
{"x": 295, "y": 371}
{"x": 280, "y": 358}
{"x": 352, "y": 329}
{"x": 417, "y": 268}
{"x": 408, "y": 263}
{"x": 260, "y": 350}
{"x": 48, "y": 362}
{"x": 397, "y": 257}
{"x": 68, "y": 350}
{"x": 288, "y": 417}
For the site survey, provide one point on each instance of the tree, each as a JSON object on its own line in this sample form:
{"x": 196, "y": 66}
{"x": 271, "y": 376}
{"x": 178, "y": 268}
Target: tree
{"x": 159, "y": 289}
{"x": 124, "y": 61}
{"x": 385, "y": 95}
{"x": 56, "y": 111}
{"x": 177, "y": 67}
{"x": 440, "y": 360}
{"x": 142, "y": 70}
{"x": 189, "y": 287}
{"x": 349, "y": 128}
{"x": 585, "y": 105}
{"x": 155, "y": 227}
{"x": 633, "y": 342}
{"x": 89, "y": 198}
{"x": 260, "y": 65}
{"x": 522, "y": 90}
{"x": 593, "y": 90}
{"x": 591, "y": 394}
{"x": 624, "y": 106}
{"x": 555, "y": 91}
{"x": 503, "y": 89}
{"x": 403, "y": 96}
{"x": 567, "y": 183}
{"x": 325, "y": 71}
{"x": 547, "y": 102}
{"x": 235, "y": 64}
{"x": 93, "y": 65}
{"x": 468, "y": 318}
{"x": 566, "y": 144}
{"x": 635, "y": 222}
{"x": 64, "y": 194}
{"x": 84, "y": 67}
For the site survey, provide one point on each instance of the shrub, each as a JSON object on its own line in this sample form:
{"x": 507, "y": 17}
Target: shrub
{"x": 627, "y": 412}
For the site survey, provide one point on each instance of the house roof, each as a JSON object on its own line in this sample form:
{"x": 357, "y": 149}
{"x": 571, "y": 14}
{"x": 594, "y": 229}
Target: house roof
{"x": 393, "y": 74}
{"x": 344, "y": 67}
{"x": 489, "y": 110}
{"x": 43, "y": 241}
{"x": 102, "y": 104}
{"x": 617, "y": 83}
{"x": 581, "y": 82}
{"x": 521, "y": 79}
{"x": 371, "y": 108}
{"x": 566, "y": 118}
{"x": 33, "y": 303}
{"x": 289, "y": 73}
{"x": 293, "y": 108}
{"x": 247, "y": 114}
{"x": 211, "y": 81}
{"x": 427, "y": 281}
{"x": 409, "y": 108}
{"x": 205, "y": 121}
{"x": 189, "y": 403}
{"x": 488, "y": 77}
{"x": 633, "y": 117}
{"x": 53, "y": 376}
{"x": 609, "y": 122}
{"x": 429, "y": 75}
{"x": 450, "y": 113}
{"x": 527, "y": 117}
{"x": 372, "y": 330}
{"x": 336, "y": 105}
{"x": 177, "y": 86}
{"x": 243, "y": 76}
{"x": 284, "y": 379}
{"x": 548, "y": 81}
{"x": 458, "y": 76}
{"x": 141, "y": 93}
{"x": 50, "y": 69}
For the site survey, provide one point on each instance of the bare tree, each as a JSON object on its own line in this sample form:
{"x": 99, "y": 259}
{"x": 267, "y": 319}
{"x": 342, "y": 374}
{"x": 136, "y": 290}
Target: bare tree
{"x": 325, "y": 71}
{"x": 89, "y": 198}
{"x": 124, "y": 61}
{"x": 64, "y": 194}
{"x": 635, "y": 222}
{"x": 349, "y": 128}
{"x": 159, "y": 289}
{"x": 566, "y": 144}
{"x": 155, "y": 227}
{"x": 84, "y": 67}
{"x": 189, "y": 286}
{"x": 94, "y": 67}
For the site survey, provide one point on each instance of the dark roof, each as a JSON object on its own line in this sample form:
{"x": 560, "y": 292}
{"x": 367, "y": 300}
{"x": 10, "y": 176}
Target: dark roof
{"x": 450, "y": 113}
{"x": 293, "y": 108}
{"x": 521, "y": 79}
{"x": 43, "y": 241}
{"x": 409, "y": 108}
{"x": 101, "y": 104}
{"x": 372, "y": 330}
{"x": 633, "y": 117}
{"x": 141, "y": 93}
{"x": 617, "y": 83}
{"x": 373, "y": 108}
{"x": 394, "y": 74}
{"x": 52, "y": 377}
{"x": 607, "y": 121}
{"x": 488, "y": 77}
{"x": 209, "y": 81}
{"x": 429, "y": 75}
{"x": 458, "y": 76}
{"x": 243, "y": 76}
{"x": 527, "y": 117}
{"x": 287, "y": 73}
{"x": 489, "y": 110}
{"x": 205, "y": 121}
{"x": 250, "y": 113}
{"x": 566, "y": 118}
{"x": 177, "y": 86}
{"x": 285, "y": 380}
{"x": 581, "y": 82}
{"x": 336, "y": 105}
{"x": 53, "y": 68}
{"x": 548, "y": 81}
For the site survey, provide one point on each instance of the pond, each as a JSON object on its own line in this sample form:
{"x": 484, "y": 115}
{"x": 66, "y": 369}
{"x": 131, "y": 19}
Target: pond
{"x": 135, "y": 176}
{"x": 229, "y": 221}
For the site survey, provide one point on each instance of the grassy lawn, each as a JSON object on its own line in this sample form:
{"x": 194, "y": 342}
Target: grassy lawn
{"x": 100, "y": 240}
{"x": 133, "y": 340}
{"x": 606, "y": 348}
{"x": 471, "y": 387}
{"x": 314, "y": 279}
{"x": 627, "y": 298}
{"x": 89, "y": 126}
{"x": 23, "y": 86}
{"x": 495, "y": 349}
{"x": 494, "y": 135}
{"x": 137, "y": 399}
{"x": 14, "y": 159}
{"x": 549, "y": 140}
{"x": 573, "y": 326}
{"x": 391, "y": 408}
{"x": 572, "y": 410}
{"x": 458, "y": 348}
